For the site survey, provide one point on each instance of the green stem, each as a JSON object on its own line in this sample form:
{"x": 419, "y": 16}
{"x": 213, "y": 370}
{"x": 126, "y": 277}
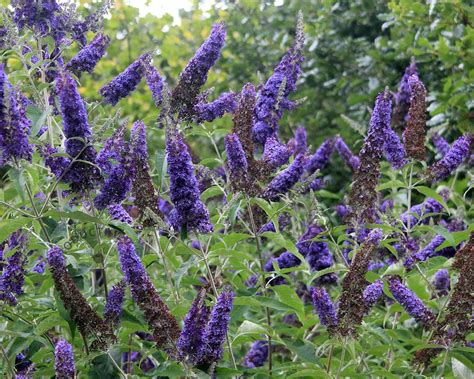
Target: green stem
{"x": 341, "y": 363}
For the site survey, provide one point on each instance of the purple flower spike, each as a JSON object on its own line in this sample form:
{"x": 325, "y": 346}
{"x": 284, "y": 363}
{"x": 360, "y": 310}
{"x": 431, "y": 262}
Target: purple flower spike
{"x": 191, "y": 341}
{"x": 257, "y": 355}
{"x": 225, "y": 103}
{"x": 154, "y": 81}
{"x": 118, "y": 213}
{"x": 237, "y": 161}
{"x": 64, "y": 360}
{"x": 123, "y": 84}
{"x": 394, "y": 150}
{"x": 412, "y": 304}
{"x": 81, "y": 175}
{"x": 441, "y": 145}
{"x": 113, "y": 306}
{"x": 442, "y": 282}
{"x": 321, "y": 157}
{"x": 189, "y": 210}
{"x": 372, "y": 293}
{"x": 87, "y": 58}
{"x": 13, "y": 276}
{"x": 324, "y": 307}
{"x": 458, "y": 152}
{"x": 14, "y": 125}
{"x": 346, "y": 154}
{"x": 57, "y": 164}
{"x": 375, "y": 237}
{"x": 194, "y": 75}
{"x": 216, "y": 328}
{"x": 284, "y": 181}
{"x": 275, "y": 153}
{"x": 418, "y": 212}
{"x": 113, "y": 149}
{"x": 301, "y": 138}
{"x": 403, "y": 96}
{"x": 424, "y": 254}
{"x": 115, "y": 188}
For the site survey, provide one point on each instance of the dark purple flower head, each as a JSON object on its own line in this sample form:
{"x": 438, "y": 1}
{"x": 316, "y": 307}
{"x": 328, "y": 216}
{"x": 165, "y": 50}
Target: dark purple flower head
{"x": 275, "y": 153}
{"x": 113, "y": 306}
{"x": 301, "y": 138}
{"x": 113, "y": 149}
{"x": 412, "y": 304}
{"x": 64, "y": 360}
{"x": 123, "y": 84}
{"x": 57, "y": 164}
{"x": 81, "y": 175}
{"x": 154, "y": 81}
{"x": 285, "y": 180}
{"x": 225, "y": 103}
{"x": 342, "y": 210}
{"x": 458, "y": 152}
{"x": 14, "y": 125}
{"x": 236, "y": 159}
{"x": 418, "y": 212}
{"x": 372, "y": 293}
{"x": 115, "y": 188}
{"x": 346, "y": 154}
{"x": 403, "y": 96}
{"x": 13, "y": 276}
{"x": 394, "y": 150}
{"x": 283, "y": 221}
{"x": 117, "y": 212}
{"x": 441, "y": 145}
{"x": 285, "y": 260}
{"x": 314, "y": 185}
{"x": 386, "y": 205}
{"x": 427, "y": 252}
{"x": 216, "y": 329}
{"x": 442, "y": 282}
{"x": 189, "y": 210}
{"x": 86, "y": 59}
{"x": 194, "y": 75}
{"x": 324, "y": 307}
{"x": 146, "y": 364}
{"x": 39, "y": 15}
{"x": 257, "y": 355}
{"x": 321, "y": 157}
{"x": 191, "y": 343}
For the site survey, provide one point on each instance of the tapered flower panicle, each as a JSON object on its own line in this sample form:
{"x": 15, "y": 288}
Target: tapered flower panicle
{"x": 113, "y": 150}
{"x": 225, "y": 103}
{"x": 415, "y": 132}
{"x": 412, "y": 304}
{"x": 189, "y": 211}
{"x": 458, "y": 152}
{"x": 458, "y": 321}
{"x": 352, "y": 306}
{"x": 39, "y": 15}
{"x": 419, "y": 212}
{"x": 321, "y": 157}
{"x": 236, "y": 160}
{"x": 185, "y": 95}
{"x": 115, "y": 188}
{"x": 427, "y": 252}
{"x": 216, "y": 329}
{"x": 13, "y": 275}
{"x": 64, "y": 360}
{"x": 442, "y": 146}
{"x": 113, "y": 306}
{"x": 273, "y": 97}
{"x": 56, "y": 163}
{"x": 191, "y": 342}
{"x": 118, "y": 213}
{"x": 86, "y": 59}
{"x": 363, "y": 197}
{"x": 81, "y": 175}
{"x": 394, "y": 150}
{"x": 88, "y": 321}
{"x": 154, "y": 81}
{"x": 275, "y": 154}
{"x": 372, "y": 293}
{"x": 324, "y": 308}
{"x": 14, "y": 125}
{"x": 146, "y": 197}
{"x": 403, "y": 96}
{"x": 351, "y": 160}
{"x": 257, "y": 355}
{"x": 125, "y": 83}
{"x": 285, "y": 180}
{"x": 157, "y": 314}
{"x": 301, "y": 140}
{"x": 441, "y": 282}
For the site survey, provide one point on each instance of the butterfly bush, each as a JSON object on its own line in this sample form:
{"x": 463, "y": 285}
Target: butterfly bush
{"x": 229, "y": 236}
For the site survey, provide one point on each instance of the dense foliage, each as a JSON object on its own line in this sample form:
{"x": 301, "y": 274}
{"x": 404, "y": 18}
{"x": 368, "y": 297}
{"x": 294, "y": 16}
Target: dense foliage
{"x": 244, "y": 194}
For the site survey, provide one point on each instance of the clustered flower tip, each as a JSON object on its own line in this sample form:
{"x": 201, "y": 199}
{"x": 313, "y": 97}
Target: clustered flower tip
{"x": 324, "y": 307}
{"x": 88, "y": 57}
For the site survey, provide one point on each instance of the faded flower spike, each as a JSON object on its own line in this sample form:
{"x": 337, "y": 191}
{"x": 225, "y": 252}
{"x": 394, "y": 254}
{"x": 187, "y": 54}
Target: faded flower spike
{"x": 64, "y": 360}
{"x": 189, "y": 211}
{"x": 123, "y": 84}
{"x": 185, "y": 95}
{"x": 324, "y": 307}
{"x": 216, "y": 328}
{"x": 458, "y": 152}
{"x": 191, "y": 342}
{"x": 86, "y": 59}
{"x": 412, "y": 304}
{"x": 414, "y": 134}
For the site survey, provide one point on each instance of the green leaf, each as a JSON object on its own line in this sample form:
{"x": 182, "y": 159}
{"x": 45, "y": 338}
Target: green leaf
{"x": 76, "y": 215}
